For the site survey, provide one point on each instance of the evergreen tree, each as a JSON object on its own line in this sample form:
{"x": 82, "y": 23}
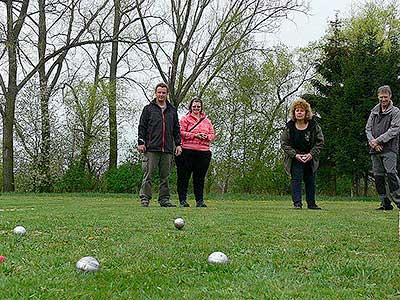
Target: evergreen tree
{"x": 358, "y": 55}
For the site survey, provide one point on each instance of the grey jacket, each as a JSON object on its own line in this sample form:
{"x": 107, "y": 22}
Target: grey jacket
{"x": 317, "y": 143}
{"x": 384, "y": 127}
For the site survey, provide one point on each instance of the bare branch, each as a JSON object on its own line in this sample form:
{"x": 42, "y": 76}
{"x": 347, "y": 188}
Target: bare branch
{"x": 147, "y": 36}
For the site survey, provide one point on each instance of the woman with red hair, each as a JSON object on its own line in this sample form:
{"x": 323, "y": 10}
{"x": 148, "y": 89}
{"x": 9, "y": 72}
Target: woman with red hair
{"x": 302, "y": 141}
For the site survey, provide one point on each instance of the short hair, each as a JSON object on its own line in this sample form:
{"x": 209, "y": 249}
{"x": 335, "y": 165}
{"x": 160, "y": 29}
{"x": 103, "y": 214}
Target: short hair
{"x": 385, "y": 89}
{"x": 195, "y": 99}
{"x": 301, "y": 103}
{"x": 162, "y": 85}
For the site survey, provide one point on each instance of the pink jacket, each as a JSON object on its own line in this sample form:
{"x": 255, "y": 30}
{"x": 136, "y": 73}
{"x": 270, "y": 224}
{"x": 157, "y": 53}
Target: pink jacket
{"x": 189, "y": 141}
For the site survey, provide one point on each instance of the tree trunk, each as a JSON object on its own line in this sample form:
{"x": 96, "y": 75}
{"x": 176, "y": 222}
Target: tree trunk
{"x": 225, "y": 186}
{"x": 88, "y": 127}
{"x": 334, "y": 182}
{"x": 355, "y": 186}
{"x": 112, "y": 96}
{"x": 44, "y": 183}
{"x": 84, "y": 155}
{"x": 365, "y": 184}
{"x": 8, "y": 139}
{"x": 9, "y": 111}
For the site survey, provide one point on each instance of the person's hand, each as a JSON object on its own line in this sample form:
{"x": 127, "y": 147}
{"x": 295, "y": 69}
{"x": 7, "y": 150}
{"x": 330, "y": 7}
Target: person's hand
{"x": 303, "y": 158}
{"x": 299, "y": 157}
{"x": 373, "y": 143}
{"x": 141, "y": 148}
{"x": 201, "y": 136}
{"x": 178, "y": 150}
{"x": 378, "y": 148}
{"x": 307, "y": 157}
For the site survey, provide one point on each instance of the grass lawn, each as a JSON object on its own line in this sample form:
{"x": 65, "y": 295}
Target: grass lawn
{"x": 345, "y": 251}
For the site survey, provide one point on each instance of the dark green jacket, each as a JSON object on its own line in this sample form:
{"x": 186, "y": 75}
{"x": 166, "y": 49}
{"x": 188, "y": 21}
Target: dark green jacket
{"x": 317, "y": 143}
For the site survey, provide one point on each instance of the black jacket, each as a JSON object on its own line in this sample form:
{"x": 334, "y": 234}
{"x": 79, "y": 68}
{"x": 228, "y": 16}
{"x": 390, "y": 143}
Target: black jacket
{"x": 159, "y": 131}
{"x": 316, "y": 142}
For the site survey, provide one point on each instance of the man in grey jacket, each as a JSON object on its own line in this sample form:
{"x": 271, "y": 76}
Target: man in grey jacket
{"x": 382, "y": 129}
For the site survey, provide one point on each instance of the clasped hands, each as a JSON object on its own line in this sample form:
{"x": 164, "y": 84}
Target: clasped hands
{"x": 202, "y": 136}
{"x": 304, "y": 157}
{"x": 374, "y": 145}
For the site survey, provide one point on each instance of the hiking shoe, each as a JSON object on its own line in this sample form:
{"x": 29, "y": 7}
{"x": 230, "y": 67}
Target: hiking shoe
{"x": 314, "y": 207}
{"x": 184, "y": 204}
{"x": 201, "y": 204}
{"x": 167, "y": 204}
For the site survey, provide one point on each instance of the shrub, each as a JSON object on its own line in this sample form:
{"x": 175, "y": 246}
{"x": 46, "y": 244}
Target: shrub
{"x": 76, "y": 179}
{"x": 127, "y": 178}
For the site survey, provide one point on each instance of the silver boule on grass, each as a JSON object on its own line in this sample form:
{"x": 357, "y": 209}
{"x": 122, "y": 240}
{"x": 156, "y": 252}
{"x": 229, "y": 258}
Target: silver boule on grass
{"x": 19, "y": 230}
{"x": 218, "y": 258}
{"x": 88, "y": 264}
{"x": 179, "y": 223}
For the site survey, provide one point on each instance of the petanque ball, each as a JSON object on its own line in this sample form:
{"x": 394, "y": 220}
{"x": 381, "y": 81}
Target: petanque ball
{"x": 179, "y": 223}
{"x": 218, "y": 258}
{"x": 88, "y": 264}
{"x": 19, "y": 230}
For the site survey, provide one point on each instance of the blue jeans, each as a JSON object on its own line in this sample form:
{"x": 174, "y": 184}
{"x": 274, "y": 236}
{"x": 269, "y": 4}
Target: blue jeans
{"x": 299, "y": 172}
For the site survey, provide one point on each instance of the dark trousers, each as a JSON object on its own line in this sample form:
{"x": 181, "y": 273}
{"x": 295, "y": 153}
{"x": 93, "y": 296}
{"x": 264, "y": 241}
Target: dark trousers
{"x": 302, "y": 172}
{"x": 188, "y": 163}
{"x": 384, "y": 168}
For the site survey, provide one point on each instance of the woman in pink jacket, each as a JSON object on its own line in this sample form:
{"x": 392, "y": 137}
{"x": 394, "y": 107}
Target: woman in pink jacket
{"x": 197, "y": 132}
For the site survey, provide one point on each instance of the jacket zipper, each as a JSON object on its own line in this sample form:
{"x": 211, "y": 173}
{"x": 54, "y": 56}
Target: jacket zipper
{"x": 163, "y": 131}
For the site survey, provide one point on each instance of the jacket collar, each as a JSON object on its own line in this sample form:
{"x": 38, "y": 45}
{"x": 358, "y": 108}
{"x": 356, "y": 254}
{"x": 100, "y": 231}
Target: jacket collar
{"x": 202, "y": 115}
{"x": 166, "y": 102}
{"x": 311, "y": 123}
{"x": 377, "y": 108}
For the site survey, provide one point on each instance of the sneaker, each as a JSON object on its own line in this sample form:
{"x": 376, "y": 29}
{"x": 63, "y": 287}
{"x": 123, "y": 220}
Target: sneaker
{"x": 144, "y": 203}
{"x": 201, "y": 204}
{"x": 167, "y": 204}
{"x": 314, "y": 207}
{"x": 297, "y": 207}
{"x": 184, "y": 204}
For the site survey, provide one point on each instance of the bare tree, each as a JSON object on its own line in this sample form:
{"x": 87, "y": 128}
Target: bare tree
{"x": 87, "y": 118}
{"x": 115, "y": 61}
{"x": 196, "y": 38}
{"x": 10, "y": 91}
{"x": 122, "y": 20}
{"x": 112, "y": 99}
{"x": 21, "y": 65}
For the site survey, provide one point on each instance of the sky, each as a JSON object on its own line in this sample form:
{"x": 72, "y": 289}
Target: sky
{"x": 308, "y": 28}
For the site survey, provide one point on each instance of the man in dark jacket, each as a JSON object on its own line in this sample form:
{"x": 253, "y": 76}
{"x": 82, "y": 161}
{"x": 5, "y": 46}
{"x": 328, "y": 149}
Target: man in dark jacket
{"x": 158, "y": 135}
{"x": 382, "y": 129}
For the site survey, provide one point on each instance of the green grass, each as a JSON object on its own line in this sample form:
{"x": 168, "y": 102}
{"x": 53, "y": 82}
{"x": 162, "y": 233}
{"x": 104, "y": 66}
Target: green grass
{"x": 346, "y": 251}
